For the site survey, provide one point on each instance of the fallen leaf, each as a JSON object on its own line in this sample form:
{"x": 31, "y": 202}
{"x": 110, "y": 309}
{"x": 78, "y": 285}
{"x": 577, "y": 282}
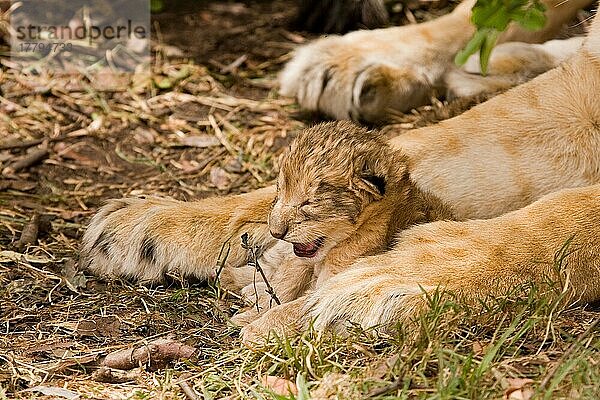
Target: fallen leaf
{"x": 21, "y": 186}
{"x": 219, "y": 178}
{"x": 518, "y": 389}
{"x": 107, "y": 326}
{"x": 201, "y": 141}
{"x": 186, "y": 166}
{"x": 54, "y": 391}
{"x": 279, "y": 386}
{"x": 74, "y": 276}
{"x": 109, "y": 80}
{"x": 479, "y": 348}
{"x": 49, "y": 347}
{"x": 111, "y": 375}
{"x": 384, "y": 367}
{"x": 144, "y": 135}
{"x": 13, "y": 256}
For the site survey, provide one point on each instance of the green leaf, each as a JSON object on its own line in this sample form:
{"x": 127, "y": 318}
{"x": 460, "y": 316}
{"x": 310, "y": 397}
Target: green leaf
{"x": 533, "y": 19}
{"x": 471, "y": 48}
{"x": 491, "y": 17}
{"x": 495, "y": 18}
{"x": 156, "y": 6}
{"x": 486, "y": 49}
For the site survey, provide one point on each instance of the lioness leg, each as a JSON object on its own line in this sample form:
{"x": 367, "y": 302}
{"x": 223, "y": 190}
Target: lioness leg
{"x": 148, "y": 238}
{"x": 510, "y": 65}
{"x": 365, "y": 74}
{"x": 472, "y": 259}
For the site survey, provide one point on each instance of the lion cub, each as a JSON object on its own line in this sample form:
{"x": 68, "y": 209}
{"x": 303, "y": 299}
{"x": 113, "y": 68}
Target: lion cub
{"x": 342, "y": 193}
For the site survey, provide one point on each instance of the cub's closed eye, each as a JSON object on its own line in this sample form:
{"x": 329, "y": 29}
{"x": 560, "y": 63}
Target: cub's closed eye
{"x": 306, "y": 203}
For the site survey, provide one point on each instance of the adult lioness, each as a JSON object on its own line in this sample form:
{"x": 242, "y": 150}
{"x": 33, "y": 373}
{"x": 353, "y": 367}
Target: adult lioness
{"x": 503, "y": 154}
{"x": 536, "y": 139}
{"x": 364, "y": 75}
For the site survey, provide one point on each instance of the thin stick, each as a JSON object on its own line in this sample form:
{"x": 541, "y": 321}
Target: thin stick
{"x": 189, "y": 391}
{"x": 30, "y": 159}
{"x": 254, "y": 261}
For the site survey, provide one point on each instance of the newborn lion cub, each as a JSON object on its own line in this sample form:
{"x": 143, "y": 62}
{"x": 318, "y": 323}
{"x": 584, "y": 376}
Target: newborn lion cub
{"x": 506, "y": 154}
{"x": 342, "y": 193}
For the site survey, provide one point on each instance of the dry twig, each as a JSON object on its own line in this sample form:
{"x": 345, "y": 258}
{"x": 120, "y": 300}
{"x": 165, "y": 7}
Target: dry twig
{"x": 156, "y": 355}
{"x": 254, "y": 262}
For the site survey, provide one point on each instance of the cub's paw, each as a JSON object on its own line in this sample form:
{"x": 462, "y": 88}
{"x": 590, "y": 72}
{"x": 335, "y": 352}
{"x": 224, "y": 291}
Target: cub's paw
{"x": 360, "y": 76}
{"x": 366, "y": 297}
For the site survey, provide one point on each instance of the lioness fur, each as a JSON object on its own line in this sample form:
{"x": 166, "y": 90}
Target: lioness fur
{"x": 367, "y": 75}
{"x": 510, "y": 153}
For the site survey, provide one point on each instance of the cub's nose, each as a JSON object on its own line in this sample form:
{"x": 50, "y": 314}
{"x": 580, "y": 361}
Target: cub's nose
{"x": 278, "y": 232}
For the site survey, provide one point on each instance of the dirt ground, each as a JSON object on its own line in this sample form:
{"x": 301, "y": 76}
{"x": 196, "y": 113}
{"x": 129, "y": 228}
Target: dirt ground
{"x": 207, "y": 122}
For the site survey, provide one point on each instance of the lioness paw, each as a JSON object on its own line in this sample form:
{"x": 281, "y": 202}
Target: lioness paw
{"x": 355, "y": 77}
{"x": 126, "y": 238}
{"x": 364, "y": 75}
{"x": 283, "y": 320}
{"x": 366, "y": 297}
{"x": 147, "y": 238}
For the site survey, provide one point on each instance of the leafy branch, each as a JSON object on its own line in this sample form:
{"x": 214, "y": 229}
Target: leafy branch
{"x": 491, "y": 18}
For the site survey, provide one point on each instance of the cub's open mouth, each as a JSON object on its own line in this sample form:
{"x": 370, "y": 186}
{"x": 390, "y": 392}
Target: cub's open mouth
{"x": 308, "y": 249}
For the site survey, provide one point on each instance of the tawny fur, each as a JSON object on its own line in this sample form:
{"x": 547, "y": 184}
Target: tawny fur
{"x": 366, "y": 75}
{"x": 538, "y": 138}
{"x": 328, "y": 167}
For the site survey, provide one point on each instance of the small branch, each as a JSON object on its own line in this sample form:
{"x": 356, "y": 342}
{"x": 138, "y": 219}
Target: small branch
{"x": 155, "y": 355}
{"x": 30, "y": 233}
{"x": 254, "y": 262}
{"x": 30, "y": 159}
{"x": 222, "y": 258}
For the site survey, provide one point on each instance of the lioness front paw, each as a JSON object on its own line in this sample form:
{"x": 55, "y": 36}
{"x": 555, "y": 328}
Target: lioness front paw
{"x": 121, "y": 239}
{"x": 147, "y": 238}
{"x": 366, "y": 297}
{"x": 283, "y": 320}
{"x": 364, "y": 75}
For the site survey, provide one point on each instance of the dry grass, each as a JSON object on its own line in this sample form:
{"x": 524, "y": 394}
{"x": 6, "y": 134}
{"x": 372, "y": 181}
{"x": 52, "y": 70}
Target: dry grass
{"x": 190, "y": 131}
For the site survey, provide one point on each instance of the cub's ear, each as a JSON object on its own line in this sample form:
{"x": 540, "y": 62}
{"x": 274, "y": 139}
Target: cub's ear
{"x": 371, "y": 183}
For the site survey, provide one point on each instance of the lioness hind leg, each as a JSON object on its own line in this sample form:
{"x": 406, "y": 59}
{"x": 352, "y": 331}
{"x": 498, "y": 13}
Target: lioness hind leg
{"x": 474, "y": 260}
{"x": 147, "y": 238}
{"x": 365, "y": 74}
{"x": 510, "y": 64}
